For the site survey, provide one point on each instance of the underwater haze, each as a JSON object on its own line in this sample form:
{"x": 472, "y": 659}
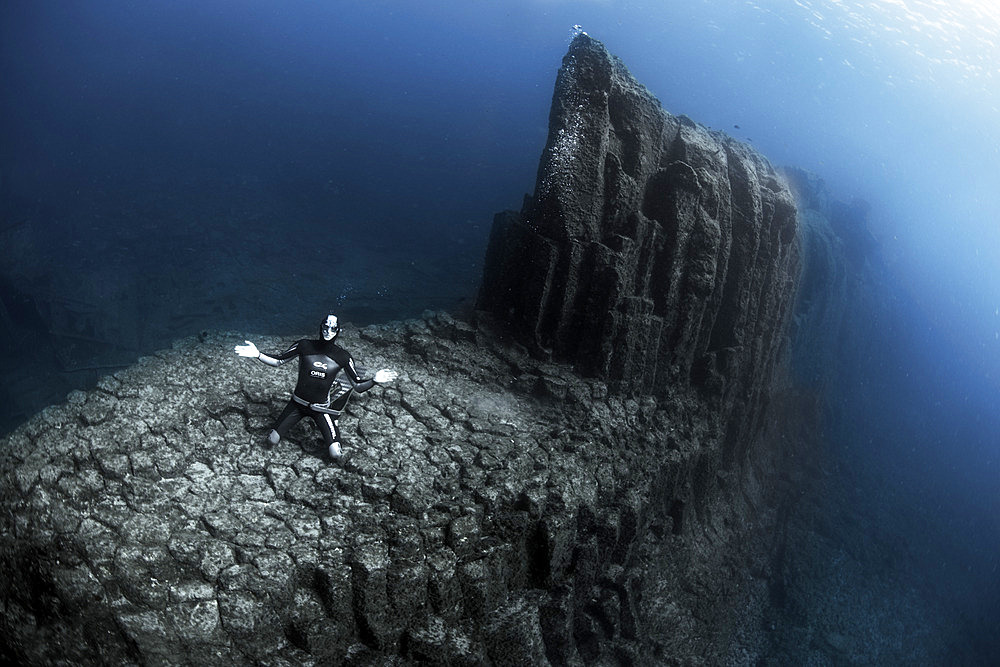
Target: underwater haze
{"x": 167, "y": 168}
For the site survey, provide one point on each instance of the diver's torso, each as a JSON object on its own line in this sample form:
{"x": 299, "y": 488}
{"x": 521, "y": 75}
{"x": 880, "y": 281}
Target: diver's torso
{"x": 317, "y": 370}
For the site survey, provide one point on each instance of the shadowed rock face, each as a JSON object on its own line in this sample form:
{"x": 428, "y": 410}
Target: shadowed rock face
{"x": 858, "y": 564}
{"x": 654, "y": 253}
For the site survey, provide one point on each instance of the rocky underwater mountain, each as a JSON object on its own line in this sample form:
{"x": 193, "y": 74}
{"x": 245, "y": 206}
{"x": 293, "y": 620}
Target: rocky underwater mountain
{"x": 616, "y": 459}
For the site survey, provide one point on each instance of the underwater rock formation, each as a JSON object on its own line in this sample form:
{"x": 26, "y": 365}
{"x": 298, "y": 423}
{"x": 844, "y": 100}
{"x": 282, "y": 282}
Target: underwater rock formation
{"x": 856, "y": 576}
{"x": 843, "y": 307}
{"x": 602, "y": 486}
{"x": 494, "y": 508}
{"x": 655, "y": 253}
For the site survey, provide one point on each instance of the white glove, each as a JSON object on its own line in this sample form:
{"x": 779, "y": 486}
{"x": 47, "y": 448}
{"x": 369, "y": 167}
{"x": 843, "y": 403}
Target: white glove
{"x": 385, "y": 375}
{"x": 248, "y": 350}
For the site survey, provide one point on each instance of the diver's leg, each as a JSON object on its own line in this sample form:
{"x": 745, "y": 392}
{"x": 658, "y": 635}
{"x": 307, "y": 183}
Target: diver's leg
{"x": 289, "y": 417}
{"x": 330, "y": 429}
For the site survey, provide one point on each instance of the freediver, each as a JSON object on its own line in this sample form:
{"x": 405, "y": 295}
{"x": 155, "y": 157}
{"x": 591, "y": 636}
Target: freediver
{"x": 320, "y": 361}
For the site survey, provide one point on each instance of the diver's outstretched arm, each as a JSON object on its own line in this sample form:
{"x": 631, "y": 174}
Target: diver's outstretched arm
{"x": 360, "y": 384}
{"x": 250, "y": 350}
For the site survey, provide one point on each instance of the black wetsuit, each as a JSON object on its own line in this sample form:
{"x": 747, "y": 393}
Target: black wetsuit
{"x": 320, "y": 362}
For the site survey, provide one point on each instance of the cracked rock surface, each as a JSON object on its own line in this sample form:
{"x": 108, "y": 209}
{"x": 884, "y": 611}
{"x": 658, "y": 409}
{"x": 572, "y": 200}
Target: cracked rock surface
{"x": 491, "y": 509}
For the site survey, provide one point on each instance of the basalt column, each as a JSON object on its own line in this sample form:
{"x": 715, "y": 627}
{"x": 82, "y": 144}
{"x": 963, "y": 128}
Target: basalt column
{"x": 655, "y": 253}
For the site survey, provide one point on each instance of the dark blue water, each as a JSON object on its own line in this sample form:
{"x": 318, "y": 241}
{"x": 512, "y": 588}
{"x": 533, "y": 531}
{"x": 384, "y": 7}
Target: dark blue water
{"x": 249, "y": 165}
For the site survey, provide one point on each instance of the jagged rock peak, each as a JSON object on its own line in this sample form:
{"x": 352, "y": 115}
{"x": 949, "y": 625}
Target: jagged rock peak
{"x": 654, "y": 253}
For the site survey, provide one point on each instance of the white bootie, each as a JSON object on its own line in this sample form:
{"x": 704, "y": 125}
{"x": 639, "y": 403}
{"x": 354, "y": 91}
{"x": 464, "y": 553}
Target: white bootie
{"x": 273, "y": 437}
{"x": 335, "y": 452}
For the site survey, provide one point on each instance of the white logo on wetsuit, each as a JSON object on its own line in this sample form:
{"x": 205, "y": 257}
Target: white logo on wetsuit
{"x": 319, "y": 364}
{"x": 317, "y": 374}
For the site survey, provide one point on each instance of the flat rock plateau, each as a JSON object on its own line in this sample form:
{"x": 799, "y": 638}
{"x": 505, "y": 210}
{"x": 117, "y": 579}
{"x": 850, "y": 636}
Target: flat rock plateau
{"x": 491, "y": 508}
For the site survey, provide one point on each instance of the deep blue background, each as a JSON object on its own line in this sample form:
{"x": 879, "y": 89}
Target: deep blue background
{"x": 248, "y": 134}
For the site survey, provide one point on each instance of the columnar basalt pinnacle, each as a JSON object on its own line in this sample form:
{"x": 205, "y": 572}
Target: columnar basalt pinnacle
{"x": 654, "y": 252}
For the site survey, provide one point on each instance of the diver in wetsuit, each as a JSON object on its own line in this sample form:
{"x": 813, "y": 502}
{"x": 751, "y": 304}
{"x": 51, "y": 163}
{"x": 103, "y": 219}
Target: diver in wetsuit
{"x": 320, "y": 361}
